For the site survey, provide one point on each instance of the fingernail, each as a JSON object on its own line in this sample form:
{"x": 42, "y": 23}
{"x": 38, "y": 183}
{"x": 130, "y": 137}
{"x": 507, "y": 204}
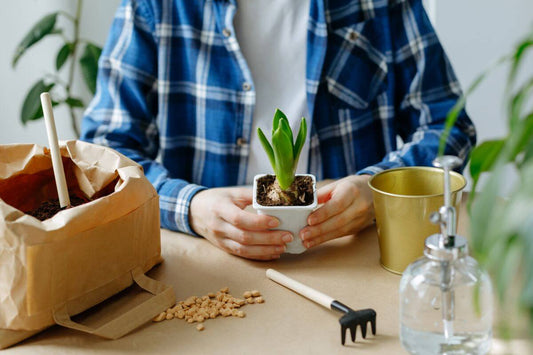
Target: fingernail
{"x": 287, "y": 238}
{"x": 280, "y": 249}
{"x": 308, "y": 244}
{"x": 275, "y": 256}
{"x": 273, "y": 223}
{"x": 311, "y": 221}
{"x": 304, "y": 235}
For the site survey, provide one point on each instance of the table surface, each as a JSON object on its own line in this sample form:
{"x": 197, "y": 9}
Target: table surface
{"x": 347, "y": 269}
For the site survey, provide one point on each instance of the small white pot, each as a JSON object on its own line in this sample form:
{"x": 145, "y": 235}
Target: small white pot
{"x": 291, "y": 218}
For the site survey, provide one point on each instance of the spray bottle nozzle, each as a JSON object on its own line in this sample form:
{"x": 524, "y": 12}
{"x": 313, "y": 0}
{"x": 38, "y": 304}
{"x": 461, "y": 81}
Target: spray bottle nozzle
{"x": 446, "y": 216}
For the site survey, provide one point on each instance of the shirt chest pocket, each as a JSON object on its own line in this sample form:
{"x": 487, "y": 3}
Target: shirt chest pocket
{"x": 357, "y": 69}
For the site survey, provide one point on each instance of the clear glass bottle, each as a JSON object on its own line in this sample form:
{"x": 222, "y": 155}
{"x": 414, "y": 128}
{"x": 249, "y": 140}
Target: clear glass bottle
{"x": 453, "y": 317}
{"x": 446, "y": 304}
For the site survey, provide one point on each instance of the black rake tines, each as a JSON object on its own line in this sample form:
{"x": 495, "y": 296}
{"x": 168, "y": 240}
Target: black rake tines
{"x": 360, "y": 318}
{"x": 351, "y": 319}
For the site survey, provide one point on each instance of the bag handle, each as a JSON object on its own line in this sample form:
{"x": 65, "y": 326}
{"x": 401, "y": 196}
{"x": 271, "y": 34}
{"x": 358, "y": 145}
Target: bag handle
{"x": 163, "y": 297}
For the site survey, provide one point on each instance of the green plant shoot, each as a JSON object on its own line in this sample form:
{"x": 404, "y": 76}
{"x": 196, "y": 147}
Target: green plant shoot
{"x": 284, "y": 152}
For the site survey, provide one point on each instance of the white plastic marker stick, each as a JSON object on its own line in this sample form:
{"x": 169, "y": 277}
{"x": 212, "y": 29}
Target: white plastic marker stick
{"x": 57, "y": 163}
{"x": 306, "y": 291}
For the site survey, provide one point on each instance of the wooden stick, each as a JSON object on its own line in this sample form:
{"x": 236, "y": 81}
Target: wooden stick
{"x": 57, "y": 163}
{"x": 298, "y": 287}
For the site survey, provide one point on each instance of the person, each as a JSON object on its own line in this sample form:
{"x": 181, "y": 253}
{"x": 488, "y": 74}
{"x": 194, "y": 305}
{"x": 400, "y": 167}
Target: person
{"x": 182, "y": 86}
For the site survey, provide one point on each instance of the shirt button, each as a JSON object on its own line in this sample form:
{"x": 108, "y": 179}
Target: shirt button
{"x": 226, "y": 32}
{"x": 353, "y": 36}
{"x": 241, "y": 141}
{"x": 246, "y": 86}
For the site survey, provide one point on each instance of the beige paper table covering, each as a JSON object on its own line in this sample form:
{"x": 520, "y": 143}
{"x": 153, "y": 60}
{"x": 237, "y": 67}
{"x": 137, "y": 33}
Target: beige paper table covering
{"x": 347, "y": 269}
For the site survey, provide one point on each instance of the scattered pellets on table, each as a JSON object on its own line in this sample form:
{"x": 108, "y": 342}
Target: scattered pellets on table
{"x": 239, "y": 301}
{"x": 212, "y": 305}
{"x": 160, "y": 317}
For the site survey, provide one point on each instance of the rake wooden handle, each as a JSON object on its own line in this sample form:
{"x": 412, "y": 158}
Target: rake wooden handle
{"x": 57, "y": 163}
{"x": 300, "y": 288}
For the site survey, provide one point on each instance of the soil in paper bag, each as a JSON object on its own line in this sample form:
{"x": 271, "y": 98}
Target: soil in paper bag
{"x": 49, "y": 208}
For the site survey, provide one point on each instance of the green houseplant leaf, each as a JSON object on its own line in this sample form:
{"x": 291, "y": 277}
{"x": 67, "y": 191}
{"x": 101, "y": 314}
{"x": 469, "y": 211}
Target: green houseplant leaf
{"x": 40, "y": 30}
{"x": 89, "y": 65}
{"x": 300, "y": 139}
{"x": 283, "y": 153}
{"x": 74, "y": 102}
{"x": 266, "y": 146}
{"x": 31, "y": 108}
{"x": 483, "y": 157}
{"x": 63, "y": 54}
{"x": 278, "y": 115}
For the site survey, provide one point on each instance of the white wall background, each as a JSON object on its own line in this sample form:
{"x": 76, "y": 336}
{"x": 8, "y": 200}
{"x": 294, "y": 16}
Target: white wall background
{"x": 474, "y": 33}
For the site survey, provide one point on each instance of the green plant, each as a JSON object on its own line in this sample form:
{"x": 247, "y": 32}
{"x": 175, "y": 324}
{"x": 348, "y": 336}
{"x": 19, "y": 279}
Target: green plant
{"x": 284, "y": 151}
{"x": 502, "y": 228}
{"x": 61, "y": 90}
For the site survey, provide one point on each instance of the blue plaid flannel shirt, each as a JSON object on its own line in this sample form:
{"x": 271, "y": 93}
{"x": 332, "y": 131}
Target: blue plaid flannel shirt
{"x": 174, "y": 93}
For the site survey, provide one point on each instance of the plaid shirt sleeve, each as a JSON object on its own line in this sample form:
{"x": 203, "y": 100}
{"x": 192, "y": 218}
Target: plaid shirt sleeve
{"x": 426, "y": 89}
{"x": 123, "y": 113}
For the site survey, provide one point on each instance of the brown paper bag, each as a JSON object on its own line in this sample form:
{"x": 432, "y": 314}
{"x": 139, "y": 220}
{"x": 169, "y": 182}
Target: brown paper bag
{"x": 62, "y": 266}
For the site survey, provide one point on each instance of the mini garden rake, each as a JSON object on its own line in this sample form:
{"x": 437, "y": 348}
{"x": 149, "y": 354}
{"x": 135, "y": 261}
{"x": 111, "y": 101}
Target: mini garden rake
{"x": 350, "y": 320}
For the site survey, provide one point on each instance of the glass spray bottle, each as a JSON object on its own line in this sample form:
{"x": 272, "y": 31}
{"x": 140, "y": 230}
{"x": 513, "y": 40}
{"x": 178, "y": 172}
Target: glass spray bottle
{"x": 446, "y": 304}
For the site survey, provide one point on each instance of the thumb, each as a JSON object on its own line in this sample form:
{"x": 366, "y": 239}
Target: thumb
{"x": 325, "y": 192}
{"x": 242, "y": 196}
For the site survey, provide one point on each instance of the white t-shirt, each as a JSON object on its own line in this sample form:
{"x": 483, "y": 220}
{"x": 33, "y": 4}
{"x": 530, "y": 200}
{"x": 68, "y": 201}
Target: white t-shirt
{"x": 272, "y": 35}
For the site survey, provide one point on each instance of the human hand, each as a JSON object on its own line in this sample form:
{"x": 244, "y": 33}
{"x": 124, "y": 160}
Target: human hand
{"x": 347, "y": 208}
{"x": 218, "y": 215}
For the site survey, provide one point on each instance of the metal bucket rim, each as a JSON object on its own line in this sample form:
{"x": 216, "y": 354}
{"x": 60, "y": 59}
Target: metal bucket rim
{"x": 453, "y": 173}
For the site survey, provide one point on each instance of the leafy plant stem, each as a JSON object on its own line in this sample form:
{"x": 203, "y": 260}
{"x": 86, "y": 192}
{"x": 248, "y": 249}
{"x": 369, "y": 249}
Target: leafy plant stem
{"x": 68, "y": 16}
{"x": 76, "y": 23}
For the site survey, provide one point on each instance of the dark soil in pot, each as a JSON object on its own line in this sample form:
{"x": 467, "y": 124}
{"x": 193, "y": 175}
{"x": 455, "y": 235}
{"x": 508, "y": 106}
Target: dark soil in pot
{"x": 299, "y": 194}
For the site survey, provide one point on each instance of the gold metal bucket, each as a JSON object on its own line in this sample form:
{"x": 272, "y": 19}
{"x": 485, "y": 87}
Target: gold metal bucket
{"x": 404, "y": 198}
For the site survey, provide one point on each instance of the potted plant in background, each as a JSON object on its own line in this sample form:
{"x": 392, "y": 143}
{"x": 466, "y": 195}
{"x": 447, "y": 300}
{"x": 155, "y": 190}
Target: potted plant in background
{"x": 287, "y": 196}
{"x": 501, "y": 228}
{"x": 60, "y": 89}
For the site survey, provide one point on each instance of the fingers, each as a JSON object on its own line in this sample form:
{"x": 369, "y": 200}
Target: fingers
{"x": 248, "y": 237}
{"x": 265, "y": 245}
{"x": 339, "y": 224}
{"x": 335, "y": 201}
{"x": 347, "y": 208}
{"x": 256, "y": 252}
{"x": 247, "y": 220}
{"x": 250, "y": 244}
{"x": 322, "y": 233}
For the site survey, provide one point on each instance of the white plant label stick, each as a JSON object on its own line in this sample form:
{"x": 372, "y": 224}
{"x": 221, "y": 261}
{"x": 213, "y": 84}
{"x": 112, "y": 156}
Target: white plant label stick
{"x": 57, "y": 163}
